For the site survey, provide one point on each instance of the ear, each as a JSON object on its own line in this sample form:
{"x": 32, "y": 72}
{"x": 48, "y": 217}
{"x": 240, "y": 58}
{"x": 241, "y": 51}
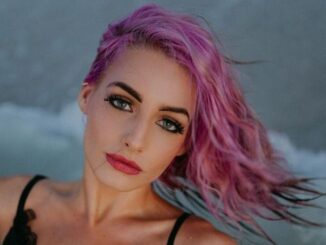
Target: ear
{"x": 84, "y": 96}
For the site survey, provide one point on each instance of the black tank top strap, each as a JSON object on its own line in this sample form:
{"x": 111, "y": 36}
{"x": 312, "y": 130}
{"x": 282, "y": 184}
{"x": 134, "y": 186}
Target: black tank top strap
{"x": 177, "y": 226}
{"x": 20, "y": 233}
{"x": 22, "y": 215}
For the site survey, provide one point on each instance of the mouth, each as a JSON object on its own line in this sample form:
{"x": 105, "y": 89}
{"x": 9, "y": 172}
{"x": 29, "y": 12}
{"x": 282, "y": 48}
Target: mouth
{"x": 122, "y": 164}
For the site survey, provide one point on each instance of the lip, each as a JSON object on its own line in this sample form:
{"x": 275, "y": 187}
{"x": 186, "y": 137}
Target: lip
{"x": 123, "y": 164}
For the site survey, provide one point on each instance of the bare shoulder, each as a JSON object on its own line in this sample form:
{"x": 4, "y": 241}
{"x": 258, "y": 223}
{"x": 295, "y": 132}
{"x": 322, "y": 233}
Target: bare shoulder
{"x": 200, "y": 231}
{"x": 10, "y": 191}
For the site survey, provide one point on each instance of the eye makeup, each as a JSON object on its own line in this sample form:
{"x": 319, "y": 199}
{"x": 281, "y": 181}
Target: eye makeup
{"x": 120, "y": 103}
{"x": 116, "y": 101}
{"x": 127, "y": 88}
{"x": 176, "y": 124}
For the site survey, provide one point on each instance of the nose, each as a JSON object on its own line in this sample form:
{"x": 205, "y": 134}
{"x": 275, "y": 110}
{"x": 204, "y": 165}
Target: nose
{"x": 135, "y": 137}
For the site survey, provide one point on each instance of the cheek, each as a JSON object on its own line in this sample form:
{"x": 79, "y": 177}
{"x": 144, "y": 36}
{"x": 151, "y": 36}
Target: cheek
{"x": 163, "y": 150}
{"x": 99, "y": 127}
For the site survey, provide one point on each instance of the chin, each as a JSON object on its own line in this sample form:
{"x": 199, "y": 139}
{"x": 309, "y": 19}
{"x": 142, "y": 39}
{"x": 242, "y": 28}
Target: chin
{"x": 118, "y": 181}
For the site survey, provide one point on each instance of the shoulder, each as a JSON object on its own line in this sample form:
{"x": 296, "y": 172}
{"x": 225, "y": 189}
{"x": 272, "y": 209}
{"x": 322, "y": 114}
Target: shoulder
{"x": 10, "y": 191}
{"x": 200, "y": 231}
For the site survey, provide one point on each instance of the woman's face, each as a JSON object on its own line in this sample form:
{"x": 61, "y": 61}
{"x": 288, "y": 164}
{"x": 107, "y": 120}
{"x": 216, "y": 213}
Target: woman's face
{"x": 133, "y": 124}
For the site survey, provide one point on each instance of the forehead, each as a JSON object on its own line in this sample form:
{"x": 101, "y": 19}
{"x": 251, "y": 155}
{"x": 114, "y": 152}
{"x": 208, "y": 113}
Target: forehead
{"x": 159, "y": 79}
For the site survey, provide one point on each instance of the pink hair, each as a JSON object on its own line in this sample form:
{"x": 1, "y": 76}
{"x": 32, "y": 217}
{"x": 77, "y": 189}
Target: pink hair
{"x": 228, "y": 156}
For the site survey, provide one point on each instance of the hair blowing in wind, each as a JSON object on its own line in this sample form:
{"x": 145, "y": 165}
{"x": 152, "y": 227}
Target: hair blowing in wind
{"x": 229, "y": 158}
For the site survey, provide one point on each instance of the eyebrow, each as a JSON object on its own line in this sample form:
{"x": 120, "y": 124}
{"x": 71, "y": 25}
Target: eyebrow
{"x": 139, "y": 98}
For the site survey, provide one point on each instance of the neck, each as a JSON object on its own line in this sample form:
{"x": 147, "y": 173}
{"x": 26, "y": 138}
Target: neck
{"x": 98, "y": 202}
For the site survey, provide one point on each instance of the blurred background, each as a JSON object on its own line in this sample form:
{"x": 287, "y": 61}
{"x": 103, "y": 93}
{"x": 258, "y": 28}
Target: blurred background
{"x": 46, "y": 48}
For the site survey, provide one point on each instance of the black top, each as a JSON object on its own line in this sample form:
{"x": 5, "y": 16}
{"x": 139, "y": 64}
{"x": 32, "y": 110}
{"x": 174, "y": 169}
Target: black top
{"x": 21, "y": 234}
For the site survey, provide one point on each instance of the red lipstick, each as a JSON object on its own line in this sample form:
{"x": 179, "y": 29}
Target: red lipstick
{"x": 123, "y": 164}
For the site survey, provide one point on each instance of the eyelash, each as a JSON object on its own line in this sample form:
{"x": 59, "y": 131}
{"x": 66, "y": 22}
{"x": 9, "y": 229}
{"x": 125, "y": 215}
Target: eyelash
{"x": 111, "y": 98}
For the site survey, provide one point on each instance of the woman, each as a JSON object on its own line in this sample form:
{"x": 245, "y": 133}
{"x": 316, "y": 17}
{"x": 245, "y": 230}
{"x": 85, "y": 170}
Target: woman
{"x": 161, "y": 103}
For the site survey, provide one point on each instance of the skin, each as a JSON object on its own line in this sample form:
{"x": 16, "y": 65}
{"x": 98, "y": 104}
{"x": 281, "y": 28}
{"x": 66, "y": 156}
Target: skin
{"x": 106, "y": 202}
{"x": 135, "y": 131}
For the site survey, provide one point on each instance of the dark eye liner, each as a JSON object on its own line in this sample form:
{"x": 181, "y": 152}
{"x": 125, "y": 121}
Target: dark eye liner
{"x": 139, "y": 98}
{"x": 179, "y": 127}
{"x": 112, "y": 97}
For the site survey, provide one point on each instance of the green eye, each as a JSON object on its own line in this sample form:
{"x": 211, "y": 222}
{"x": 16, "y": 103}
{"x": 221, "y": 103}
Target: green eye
{"x": 121, "y": 104}
{"x": 118, "y": 102}
{"x": 172, "y": 126}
